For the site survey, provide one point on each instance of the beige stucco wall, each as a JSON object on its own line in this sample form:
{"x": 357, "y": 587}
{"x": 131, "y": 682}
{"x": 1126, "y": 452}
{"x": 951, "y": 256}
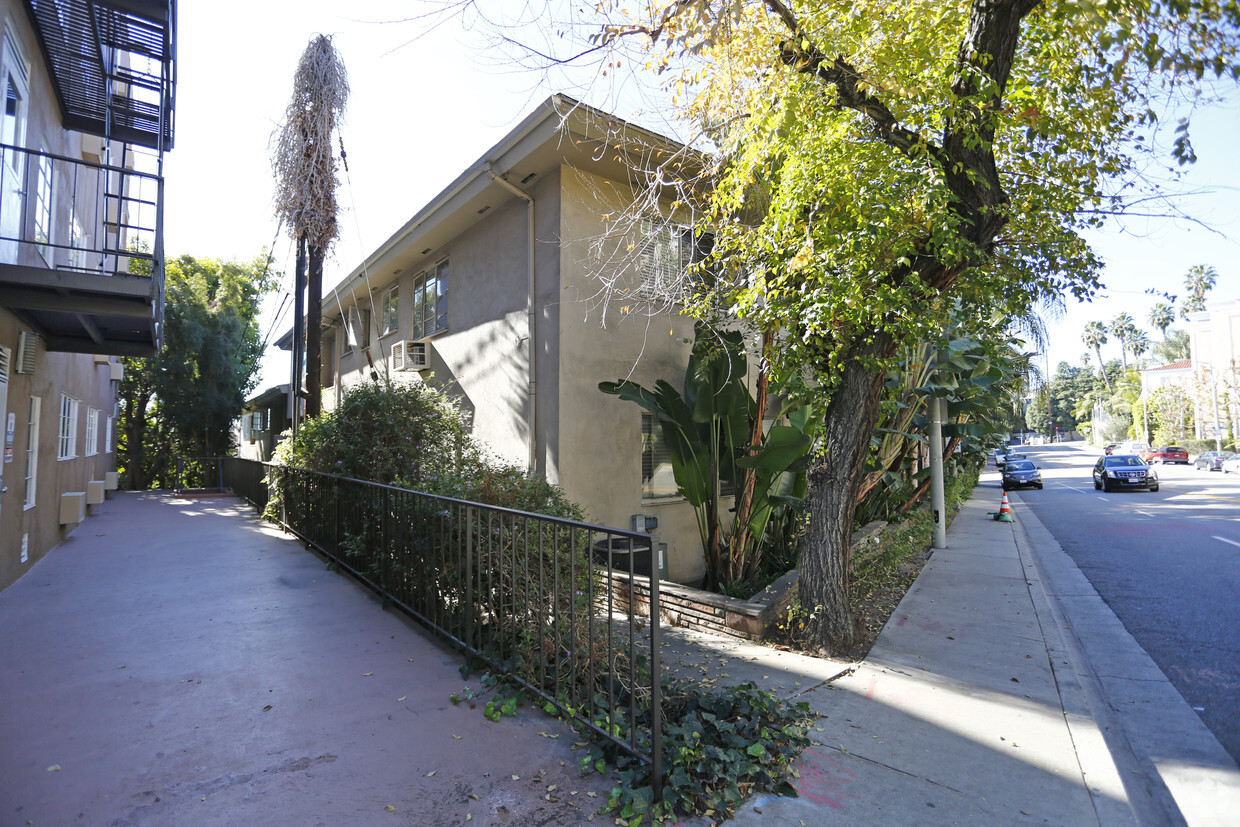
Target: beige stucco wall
{"x": 55, "y": 373}
{"x": 588, "y": 442}
{"x": 598, "y": 456}
{"x": 78, "y": 375}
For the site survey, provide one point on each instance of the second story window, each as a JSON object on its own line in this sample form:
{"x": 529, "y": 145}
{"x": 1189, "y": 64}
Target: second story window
{"x": 389, "y": 315}
{"x": 357, "y": 329}
{"x": 43, "y": 206}
{"x": 666, "y": 251}
{"x": 430, "y": 301}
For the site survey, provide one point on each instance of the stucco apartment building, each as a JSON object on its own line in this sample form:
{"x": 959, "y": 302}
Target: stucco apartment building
{"x": 88, "y": 114}
{"x": 1214, "y": 342}
{"x": 491, "y": 290}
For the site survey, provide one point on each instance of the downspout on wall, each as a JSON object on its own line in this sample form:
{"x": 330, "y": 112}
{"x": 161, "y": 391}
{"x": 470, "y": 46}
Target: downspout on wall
{"x": 529, "y": 313}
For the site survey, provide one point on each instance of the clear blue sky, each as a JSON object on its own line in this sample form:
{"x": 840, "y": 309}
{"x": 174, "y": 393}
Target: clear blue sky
{"x": 421, "y": 112}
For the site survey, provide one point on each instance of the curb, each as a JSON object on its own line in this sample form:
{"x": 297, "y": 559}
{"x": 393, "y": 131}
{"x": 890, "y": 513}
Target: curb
{"x": 1172, "y": 768}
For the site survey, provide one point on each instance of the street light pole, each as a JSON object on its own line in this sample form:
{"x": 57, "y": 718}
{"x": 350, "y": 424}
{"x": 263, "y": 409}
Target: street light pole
{"x": 937, "y": 408}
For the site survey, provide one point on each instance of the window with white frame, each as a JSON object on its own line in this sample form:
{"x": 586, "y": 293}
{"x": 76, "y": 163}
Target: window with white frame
{"x": 43, "y": 205}
{"x": 92, "y": 432}
{"x": 107, "y": 438}
{"x": 68, "y": 427}
{"x": 666, "y": 251}
{"x": 389, "y": 312}
{"x": 79, "y": 241}
{"x": 430, "y": 301}
{"x": 32, "y": 450}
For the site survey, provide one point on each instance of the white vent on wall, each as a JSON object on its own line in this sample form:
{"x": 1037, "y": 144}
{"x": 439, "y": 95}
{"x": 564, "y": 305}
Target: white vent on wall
{"x": 5, "y": 357}
{"x": 27, "y": 351}
{"x": 410, "y": 355}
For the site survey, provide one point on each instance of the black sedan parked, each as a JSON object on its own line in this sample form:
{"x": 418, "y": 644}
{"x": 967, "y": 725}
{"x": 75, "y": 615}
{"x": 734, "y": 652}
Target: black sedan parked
{"x": 1018, "y": 473}
{"x": 1124, "y": 471}
{"x": 1212, "y": 460}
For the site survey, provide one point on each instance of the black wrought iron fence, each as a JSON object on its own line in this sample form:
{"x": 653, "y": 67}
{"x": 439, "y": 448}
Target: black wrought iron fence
{"x": 527, "y": 594}
{"x": 201, "y": 475}
{"x": 246, "y": 478}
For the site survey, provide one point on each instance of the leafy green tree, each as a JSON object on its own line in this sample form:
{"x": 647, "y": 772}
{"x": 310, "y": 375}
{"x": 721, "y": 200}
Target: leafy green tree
{"x": 1199, "y": 280}
{"x": 1161, "y": 317}
{"x": 875, "y": 161}
{"x": 183, "y": 400}
{"x": 1094, "y": 337}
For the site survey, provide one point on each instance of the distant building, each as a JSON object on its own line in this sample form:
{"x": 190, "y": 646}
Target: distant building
{"x": 88, "y": 115}
{"x": 263, "y": 419}
{"x": 1176, "y": 373}
{"x": 1214, "y": 342}
{"x": 492, "y": 290}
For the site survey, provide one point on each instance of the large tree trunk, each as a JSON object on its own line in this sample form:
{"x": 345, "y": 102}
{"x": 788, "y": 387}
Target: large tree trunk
{"x": 834, "y": 480}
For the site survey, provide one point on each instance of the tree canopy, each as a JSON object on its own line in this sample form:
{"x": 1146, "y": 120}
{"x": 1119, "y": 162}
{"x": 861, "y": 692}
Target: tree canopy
{"x": 183, "y": 400}
{"x": 870, "y": 162}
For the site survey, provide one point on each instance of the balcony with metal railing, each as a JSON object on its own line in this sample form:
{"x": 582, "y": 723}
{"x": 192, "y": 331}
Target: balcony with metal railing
{"x": 81, "y": 249}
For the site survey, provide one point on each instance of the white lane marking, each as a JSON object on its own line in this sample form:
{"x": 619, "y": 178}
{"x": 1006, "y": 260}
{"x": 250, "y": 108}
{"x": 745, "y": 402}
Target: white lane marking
{"x": 1225, "y": 540}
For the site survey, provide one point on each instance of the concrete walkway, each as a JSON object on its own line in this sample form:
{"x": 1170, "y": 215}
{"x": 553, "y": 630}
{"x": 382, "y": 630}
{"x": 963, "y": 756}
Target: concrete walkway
{"x": 178, "y": 662}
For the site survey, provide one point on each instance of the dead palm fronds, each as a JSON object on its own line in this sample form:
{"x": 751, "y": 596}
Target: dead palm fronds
{"x": 303, "y": 162}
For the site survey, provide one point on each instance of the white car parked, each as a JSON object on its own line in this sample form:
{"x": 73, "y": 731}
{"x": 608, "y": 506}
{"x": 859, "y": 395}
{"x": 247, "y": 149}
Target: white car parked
{"x": 1231, "y": 466}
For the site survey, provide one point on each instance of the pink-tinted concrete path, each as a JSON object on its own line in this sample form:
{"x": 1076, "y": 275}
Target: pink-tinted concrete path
{"x": 179, "y": 662}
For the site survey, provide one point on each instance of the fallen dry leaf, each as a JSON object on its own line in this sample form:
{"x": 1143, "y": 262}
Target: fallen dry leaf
{"x": 432, "y": 772}
{"x": 367, "y": 675}
{"x": 389, "y": 808}
{"x": 401, "y": 698}
{"x": 54, "y": 768}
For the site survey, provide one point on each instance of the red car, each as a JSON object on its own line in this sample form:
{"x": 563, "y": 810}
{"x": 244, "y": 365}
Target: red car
{"x": 1166, "y": 454}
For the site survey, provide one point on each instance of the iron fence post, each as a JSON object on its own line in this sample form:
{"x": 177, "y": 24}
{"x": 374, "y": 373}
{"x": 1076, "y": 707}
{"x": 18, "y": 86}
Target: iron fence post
{"x": 469, "y": 575}
{"x": 656, "y": 700}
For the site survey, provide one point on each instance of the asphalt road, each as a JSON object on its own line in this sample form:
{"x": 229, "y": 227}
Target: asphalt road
{"x": 1167, "y": 563}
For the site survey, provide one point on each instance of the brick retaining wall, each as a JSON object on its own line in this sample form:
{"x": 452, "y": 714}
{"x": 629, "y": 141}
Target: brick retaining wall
{"x": 714, "y": 613}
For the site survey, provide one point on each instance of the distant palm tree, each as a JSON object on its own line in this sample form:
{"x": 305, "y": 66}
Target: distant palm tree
{"x": 1138, "y": 344}
{"x": 1161, "y": 317}
{"x": 1123, "y": 328}
{"x": 1094, "y": 337}
{"x": 1199, "y": 280}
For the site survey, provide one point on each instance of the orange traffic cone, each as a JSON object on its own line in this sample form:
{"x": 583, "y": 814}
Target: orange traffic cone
{"x": 1005, "y": 511}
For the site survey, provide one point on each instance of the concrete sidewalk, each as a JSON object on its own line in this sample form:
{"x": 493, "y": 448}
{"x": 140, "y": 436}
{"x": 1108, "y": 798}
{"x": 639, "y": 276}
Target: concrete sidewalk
{"x": 978, "y": 703}
{"x": 179, "y": 662}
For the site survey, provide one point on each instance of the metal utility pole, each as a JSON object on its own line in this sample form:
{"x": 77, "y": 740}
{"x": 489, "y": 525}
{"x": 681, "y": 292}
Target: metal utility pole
{"x": 937, "y": 410}
{"x": 299, "y": 335}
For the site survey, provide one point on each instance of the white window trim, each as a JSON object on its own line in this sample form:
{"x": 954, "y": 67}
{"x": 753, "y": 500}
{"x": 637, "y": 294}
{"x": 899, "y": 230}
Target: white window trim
{"x": 389, "y": 312}
{"x": 67, "y": 431}
{"x": 32, "y": 452}
{"x": 92, "y": 432}
{"x": 440, "y": 272}
{"x": 44, "y": 203}
{"x": 107, "y": 440}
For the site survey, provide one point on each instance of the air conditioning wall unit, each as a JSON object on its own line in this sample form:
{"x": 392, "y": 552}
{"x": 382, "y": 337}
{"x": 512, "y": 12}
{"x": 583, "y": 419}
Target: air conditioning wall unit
{"x": 411, "y": 355}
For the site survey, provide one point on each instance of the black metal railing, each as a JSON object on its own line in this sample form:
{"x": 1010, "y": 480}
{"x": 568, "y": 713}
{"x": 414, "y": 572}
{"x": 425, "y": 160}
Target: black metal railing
{"x": 200, "y": 475}
{"x": 246, "y": 478}
{"x": 115, "y": 211}
{"x": 532, "y": 596}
